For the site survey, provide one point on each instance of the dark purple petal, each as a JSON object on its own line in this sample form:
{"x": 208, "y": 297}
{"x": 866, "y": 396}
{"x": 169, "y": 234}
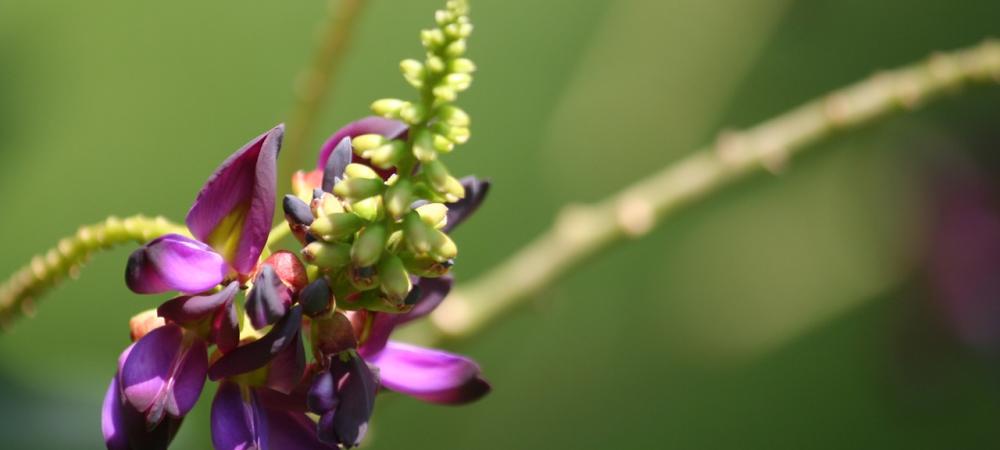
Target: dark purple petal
{"x": 293, "y": 431}
{"x": 297, "y": 211}
{"x": 475, "y": 193}
{"x": 124, "y": 428}
{"x": 430, "y": 375}
{"x": 188, "y": 310}
{"x": 164, "y": 373}
{"x": 432, "y": 293}
{"x": 174, "y": 263}
{"x": 225, "y": 332}
{"x": 356, "y": 389}
{"x": 268, "y": 300}
{"x": 237, "y": 419}
{"x": 369, "y": 125}
{"x": 285, "y": 370}
{"x": 258, "y": 353}
{"x": 339, "y": 158}
{"x": 233, "y": 212}
{"x": 322, "y": 395}
{"x": 315, "y": 298}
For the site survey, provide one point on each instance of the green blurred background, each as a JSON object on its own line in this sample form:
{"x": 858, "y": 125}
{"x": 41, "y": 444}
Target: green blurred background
{"x": 788, "y": 312}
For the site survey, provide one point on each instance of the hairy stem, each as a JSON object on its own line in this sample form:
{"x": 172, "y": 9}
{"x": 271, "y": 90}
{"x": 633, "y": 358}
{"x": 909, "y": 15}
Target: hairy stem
{"x": 19, "y": 292}
{"x": 314, "y": 82}
{"x": 581, "y": 232}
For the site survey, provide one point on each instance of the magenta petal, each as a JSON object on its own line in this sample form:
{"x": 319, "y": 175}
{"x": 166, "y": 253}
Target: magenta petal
{"x": 125, "y": 429}
{"x": 369, "y": 125}
{"x": 174, "y": 263}
{"x": 233, "y": 212}
{"x": 475, "y": 193}
{"x": 191, "y": 309}
{"x": 237, "y": 420}
{"x": 430, "y": 375}
{"x": 258, "y": 353}
{"x": 163, "y": 374}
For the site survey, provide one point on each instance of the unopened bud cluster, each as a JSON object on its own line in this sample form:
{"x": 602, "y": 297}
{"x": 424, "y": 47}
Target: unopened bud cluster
{"x": 379, "y": 219}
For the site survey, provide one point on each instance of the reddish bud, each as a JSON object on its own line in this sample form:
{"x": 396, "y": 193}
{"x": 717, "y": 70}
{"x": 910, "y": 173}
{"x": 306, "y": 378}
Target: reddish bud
{"x": 143, "y": 323}
{"x": 289, "y": 269}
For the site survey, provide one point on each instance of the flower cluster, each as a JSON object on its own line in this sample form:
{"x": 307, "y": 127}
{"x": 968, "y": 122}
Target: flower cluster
{"x": 373, "y": 221}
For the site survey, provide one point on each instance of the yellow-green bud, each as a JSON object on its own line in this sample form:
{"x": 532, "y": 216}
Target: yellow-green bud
{"x": 336, "y": 226}
{"x": 355, "y": 170}
{"x": 443, "y": 17}
{"x": 442, "y": 144}
{"x": 387, "y": 155}
{"x": 453, "y": 115}
{"x": 425, "y": 266}
{"x": 459, "y": 81}
{"x": 417, "y": 234}
{"x": 435, "y": 64}
{"x": 433, "y": 214}
{"x": 442, "y": 247}
{"x": 461, "y": 65}
{"x": 369, "y": 209}
{"x": 369, "y": 245}
{"x": 413, "y": 71}
{"x": 327, "y": 255}
{"x": 367, "y": 142}
{"x": 388, "y": 107}
{"x": 358, "y": 188}
{"x": 443, "y": 182}
{"x": 394, "y": 278}
{"x": 432, "y": 38}
{"x": 423, "y": 145}
{"x": 412, "y": 113}
{"x": 398, "y": 197}
{"x": 327, "y": 204}
{"x": 445, "y": 93}
{"x": 455, "y": 49}
{"x": 453, "y": 190}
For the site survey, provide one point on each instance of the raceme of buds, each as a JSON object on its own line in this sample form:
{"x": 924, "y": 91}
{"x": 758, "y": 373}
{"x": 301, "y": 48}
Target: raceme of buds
{"x": 372, "y": 221}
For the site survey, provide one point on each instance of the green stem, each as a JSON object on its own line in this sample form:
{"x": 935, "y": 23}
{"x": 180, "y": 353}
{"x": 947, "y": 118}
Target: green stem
{"x": 19, "y": 292}
{"x": 581, "y": 232}
{"x": 314, "y": 82}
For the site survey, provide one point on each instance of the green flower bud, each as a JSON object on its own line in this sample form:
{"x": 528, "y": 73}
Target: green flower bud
{"x": 445, "y": 93}
{"x": 376, "y": 301}
{"x": 453, "y": 115}
{"x": 369, "y": 245}
{"x": 455, "y": 49}
{"x": 433, "y": 214}
{"x": 413, "y": 71}
{"x": 355, "y": 170}
{"x": 327, "y": 204}
{"x": 363, "y": 278}
{"x": 397, "y": 198}
{"x": 387, "y": 155}
{"x": 453, "y": 190}
{"x": 388, "y": 107}
{"x": 459, "y": 81}
{"x": 327, "y": 255}
{"x": 442, "y": 247}
{"x": 443, "y": 17}
{"x": 425, "y": 266}
{"x": 461, "y": 65}
{"x": 442, "y": 182}
{"x": 458, "y": 135}
{"x": 394, "y": 278}
{"x": 369, "y": 209}
{"x": 423, "y": 145}
{"x": 336, "y": 226}
{"x": 442, "y": 144}
{"x": 432, "y": 38}
{"x": 358, "y": 188}
{"x": 366, "y": 142}
{"x": 417, "y": 234}
{"x": 412, "y": 113}
{"x": 435, "y": 64}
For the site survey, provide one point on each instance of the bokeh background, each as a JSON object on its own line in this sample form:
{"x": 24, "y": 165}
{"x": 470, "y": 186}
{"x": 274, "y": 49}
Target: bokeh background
{"x": 817, "y": 308}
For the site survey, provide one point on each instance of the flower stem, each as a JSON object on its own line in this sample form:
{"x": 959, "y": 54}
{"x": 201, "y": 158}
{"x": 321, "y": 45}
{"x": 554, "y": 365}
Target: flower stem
{"x": 581, "y": 232}
{"x": 19, "y": 292}
{"x": 314, "y": 82}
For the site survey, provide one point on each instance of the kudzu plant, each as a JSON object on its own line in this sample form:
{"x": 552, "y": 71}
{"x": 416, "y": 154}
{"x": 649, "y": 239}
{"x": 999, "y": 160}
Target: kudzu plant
{"x": 372, "y": 219}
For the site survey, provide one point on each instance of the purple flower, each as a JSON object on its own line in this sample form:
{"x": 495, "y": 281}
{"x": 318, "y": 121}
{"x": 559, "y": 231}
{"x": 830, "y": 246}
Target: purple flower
{"x": 430, "y": 375}
{"x": 230, "y": 220}
{"x": 343, "y": 395}
{"x": 245, "y": 418}
{"x": 124, "y": 427}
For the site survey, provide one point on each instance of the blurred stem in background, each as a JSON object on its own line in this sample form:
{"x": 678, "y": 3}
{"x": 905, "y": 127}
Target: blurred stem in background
{"x": 580, "y": 232}
{"x": 314, "y": 82}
